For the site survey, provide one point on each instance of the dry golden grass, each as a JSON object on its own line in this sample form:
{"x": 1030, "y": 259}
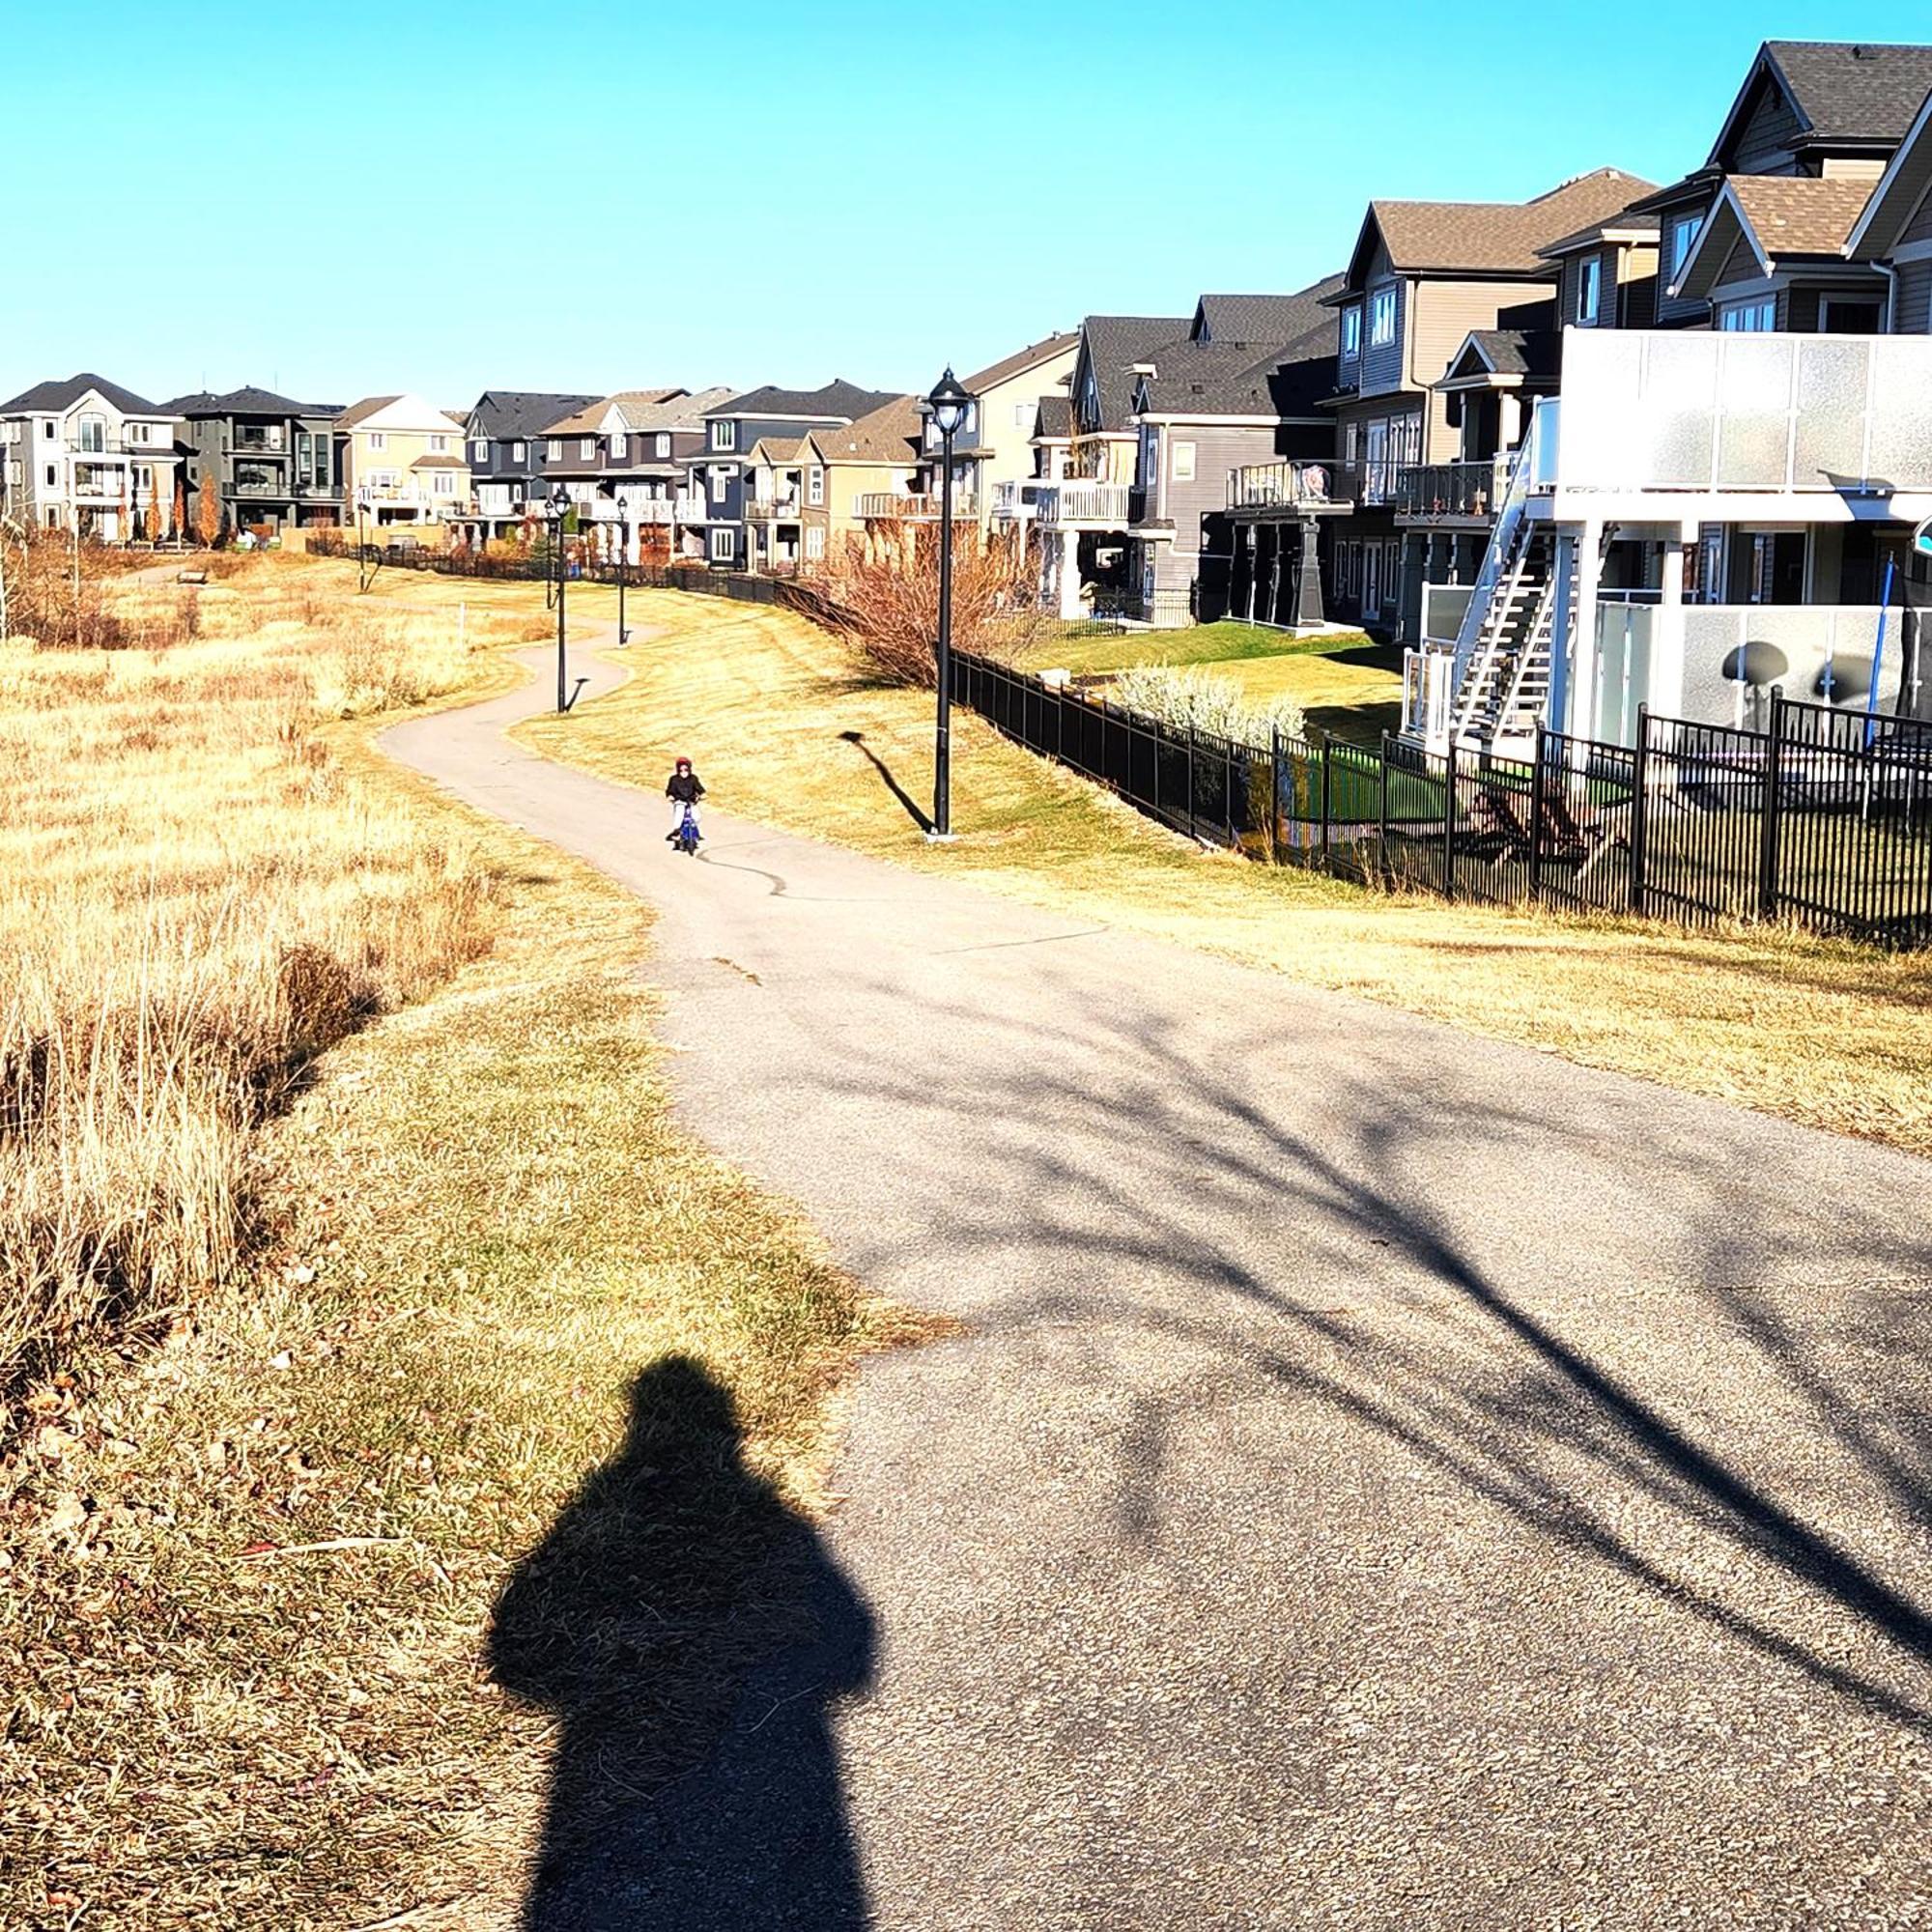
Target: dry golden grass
{"x": 250, "y": 1554}
{"x": 1827, "y": 1033}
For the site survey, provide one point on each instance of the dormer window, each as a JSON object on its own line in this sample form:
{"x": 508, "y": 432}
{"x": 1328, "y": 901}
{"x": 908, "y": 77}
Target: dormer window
{"x": 1381, "y": 317}
{"x": 1351, "y": 333}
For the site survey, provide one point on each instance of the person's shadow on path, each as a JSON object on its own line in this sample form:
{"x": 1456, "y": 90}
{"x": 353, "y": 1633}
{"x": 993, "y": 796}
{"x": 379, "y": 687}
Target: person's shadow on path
{"x": 688, "y": 1631}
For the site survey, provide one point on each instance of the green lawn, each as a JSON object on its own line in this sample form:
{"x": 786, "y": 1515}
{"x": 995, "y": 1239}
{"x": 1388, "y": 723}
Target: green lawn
{"x": 1088, "y": 648}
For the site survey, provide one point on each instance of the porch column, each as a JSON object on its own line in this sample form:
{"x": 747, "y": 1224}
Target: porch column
{"x": 1589, "y": 574}
{"x": 1561, "y": 644}
{"x": 1508, "y": 420}
{"x": 1308, "y": 608}
{"x": 1253, "y": 533}
{"x": 1069, "y": 574}
{"x": 1274, "y": 575}
{"x": 1665, "y": 688}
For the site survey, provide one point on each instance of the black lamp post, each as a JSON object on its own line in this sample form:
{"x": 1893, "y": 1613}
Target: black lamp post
{"x": 623, "y": 572}
{"x": 560, "y": 509}
{"x": 950, "y": 406}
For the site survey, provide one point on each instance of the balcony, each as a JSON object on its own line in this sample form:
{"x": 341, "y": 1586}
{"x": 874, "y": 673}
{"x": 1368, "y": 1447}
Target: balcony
{"x": 637, "y": 511}
{"x": 1650, "y": 414}
{"x": 689, "y": 510}
{"x": 772, "y": 509}
{"x": 1078, "y": 506}
{"x": 909, "y": 507}
{"x": 1283, "y": 486}
{"x": 1452, "y": 491}
{"x": 1021, "y": 500}
{"x": 257, "y": 443}
{"x": 95, "y": 484}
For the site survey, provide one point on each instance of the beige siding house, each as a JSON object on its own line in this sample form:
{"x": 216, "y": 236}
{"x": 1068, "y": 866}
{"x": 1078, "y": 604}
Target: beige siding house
{"x": 404, "y": 463}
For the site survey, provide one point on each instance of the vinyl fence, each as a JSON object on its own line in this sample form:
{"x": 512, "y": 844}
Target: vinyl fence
{"x": 1824, "y": 818}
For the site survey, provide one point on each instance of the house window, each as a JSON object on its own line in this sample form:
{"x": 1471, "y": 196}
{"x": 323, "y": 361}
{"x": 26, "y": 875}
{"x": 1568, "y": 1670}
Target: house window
{"x": 814, "y": 541}
{"x": 520, "y": 452}
{"x": 439, "y": 445}
{"x": 620, "y": 444}
{"x": 377, "y": 441}
{"x": 48, "y": 431}
{"x": 1381, "y": 317}
{"x": 53, "y": 476}
{"x": 724, "y": 435}
{"x": 444, "y": 483}
{"x": 1589, "y": 289}
{"x": 1753, "y": 318}
{"x": 723, "y": 546}
{"x": 142, "y": 432}
{"x": 586, "y": 448}
{"x": 720, "y": 485}
{"x": 1683, "y": 238}
{"x": 814, "y": 485}
{"x": 1150, "y": 458}
{"x": 664, "y": 445}
{"x": 1351, "y": 333}
{"x": 553, "y": 448}
{"x": 479, "y": 452}
{"x": 93, "y": 434}
{"x": 1183, "y": 463}
{"x": 1023, "y": 414}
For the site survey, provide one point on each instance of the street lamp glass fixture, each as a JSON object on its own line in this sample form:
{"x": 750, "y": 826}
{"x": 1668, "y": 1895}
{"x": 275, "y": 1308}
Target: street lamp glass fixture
{"x": 949, "y": 404}
{"x": 560, "y": 502}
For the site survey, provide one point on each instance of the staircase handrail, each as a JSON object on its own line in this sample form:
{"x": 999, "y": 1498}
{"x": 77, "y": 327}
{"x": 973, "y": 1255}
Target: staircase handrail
{"x": 1508, "y": 519}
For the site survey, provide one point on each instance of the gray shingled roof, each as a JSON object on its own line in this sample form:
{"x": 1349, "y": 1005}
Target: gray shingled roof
{"x": 1265, "y": 319}
{"x": 59, "y": 395}
{"x": 1114, "y": 345}
{"x": 1055, "y": 418}
{"x": 1850, "y": 90}
{"x": 1513, "y": 352}
{"x": 520, "y": 413}
{"x": 839, "y": 398}
{"x": 246, "y": 401}
{"x": 1021, "y": 359}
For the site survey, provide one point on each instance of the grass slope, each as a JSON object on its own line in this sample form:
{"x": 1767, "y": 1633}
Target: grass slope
{"x": 491, "y": 1301}
{"x": 1823, "y": 1033}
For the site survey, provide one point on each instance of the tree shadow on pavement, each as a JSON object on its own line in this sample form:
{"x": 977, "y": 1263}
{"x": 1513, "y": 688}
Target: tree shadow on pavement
{"x": 689, "y": 1633}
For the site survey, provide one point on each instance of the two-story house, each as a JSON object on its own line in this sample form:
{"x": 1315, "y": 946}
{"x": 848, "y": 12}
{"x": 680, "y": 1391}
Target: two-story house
{"x": 875, "y": 478}
{"x": 269, "y": 460}
{"x": 1423, "y": 277}
{"x": 1082, "y": 523}
{"x": 89, "y": 456}
{"x": 1226, "y": 417}
{"x": 504, "y": 432}
{"x": 622, "y": 461}
{"x": 721, "y": 476}
{"x": 403, "y": 464}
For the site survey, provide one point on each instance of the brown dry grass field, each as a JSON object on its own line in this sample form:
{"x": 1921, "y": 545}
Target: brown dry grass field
{"x": 340, "y": 1208}
{"x": 1827, "y": 1034}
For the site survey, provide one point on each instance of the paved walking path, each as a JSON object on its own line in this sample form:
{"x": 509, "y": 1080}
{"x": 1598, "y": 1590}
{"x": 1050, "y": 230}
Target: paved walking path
{"x": 1390, "y": 1479}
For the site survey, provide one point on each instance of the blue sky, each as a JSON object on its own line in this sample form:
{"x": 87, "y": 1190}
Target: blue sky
{"x": 609, "y": 195}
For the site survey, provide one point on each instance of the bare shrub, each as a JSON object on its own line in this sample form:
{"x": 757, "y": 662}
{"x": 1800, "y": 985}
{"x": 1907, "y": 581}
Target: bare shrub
{"x": 883, "y": 592}
{"x": 1184, "y": 698}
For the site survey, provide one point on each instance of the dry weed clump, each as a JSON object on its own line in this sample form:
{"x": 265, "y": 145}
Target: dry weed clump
{"x": 192, "y": 905}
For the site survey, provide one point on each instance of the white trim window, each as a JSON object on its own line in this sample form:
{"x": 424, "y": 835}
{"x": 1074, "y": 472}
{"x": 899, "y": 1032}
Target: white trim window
{"x": 815, "y": 542}
{"x": 1351, "y": 335}
{"x": 620, "y": 444}
{"x": 1183, "y": 463}
{"x": 378, "y": 440}
{"x": 1024, "y": 414}
{"x": 1684, "y": 233}
{"x": 724, "y": 435}
{"x": 720, "y": 483}
{"x": 814, "y": 486}
{"x": 1381, "y": 317}
{"x": 553, "y": 449}
{"x": 479, "y": 451}
{"x": 664, "y": 446}
{"x": 1589, "y": 291}
{"x": 723, "y": 546}
{"x": 520, "y": 452}
{"x": 1756, "y": 317}
{"x": 586, "y": 448}
{"x": 439, "y": 445}
{"x": 443, "y": 483}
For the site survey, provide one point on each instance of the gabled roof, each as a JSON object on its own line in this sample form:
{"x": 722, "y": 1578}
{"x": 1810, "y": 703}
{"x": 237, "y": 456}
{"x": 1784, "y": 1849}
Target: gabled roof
{"x": 889, "y": 434}
{"x": 1204, "y": 378}
{"x": 520, "y": 413}
{"x": 625, "y": 404}
{"x": 245, "y": 402}
{"x": 1488, "y": 237}
{"x": 407, "y": 413}
{"x": 681, "y": 410}
{"x": 839, "y": 399}
{"x": 1628, "y": 224}
{"x": 1782, "y": 218}
{"x": 1111, "y": 345}
{"x": 1504, "y": 358}
{"x": 1898, "y": 193}
{"x": 1055, "y": 418}
{"x": 776, "y": 449}
{"x": 1843, "y": 93}
{"x": 1264, "y": 318}
{"x": 63, "y": 395}
{"x": 1021, "y": 360}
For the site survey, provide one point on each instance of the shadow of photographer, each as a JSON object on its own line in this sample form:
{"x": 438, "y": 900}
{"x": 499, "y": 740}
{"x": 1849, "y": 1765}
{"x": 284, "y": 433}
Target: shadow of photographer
{"x": 689, "y": 1633}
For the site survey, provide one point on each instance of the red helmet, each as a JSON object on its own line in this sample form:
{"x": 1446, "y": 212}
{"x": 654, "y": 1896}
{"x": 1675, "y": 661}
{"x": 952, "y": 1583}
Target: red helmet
{"x": 682, "y": 765}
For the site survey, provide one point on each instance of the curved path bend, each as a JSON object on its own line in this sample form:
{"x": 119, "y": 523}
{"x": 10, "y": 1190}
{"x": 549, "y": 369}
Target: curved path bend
{"x": 1387, "y": 1478}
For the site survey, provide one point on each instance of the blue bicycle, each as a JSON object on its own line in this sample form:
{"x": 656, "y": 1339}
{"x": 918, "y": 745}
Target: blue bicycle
{"x": 687, "y": 834}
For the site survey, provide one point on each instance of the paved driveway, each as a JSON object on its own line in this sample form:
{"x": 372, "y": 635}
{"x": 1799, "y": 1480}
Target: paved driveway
{"x": 1388, "y": 1479}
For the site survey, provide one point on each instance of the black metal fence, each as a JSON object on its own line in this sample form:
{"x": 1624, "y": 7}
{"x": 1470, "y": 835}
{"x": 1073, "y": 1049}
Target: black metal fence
{"x": 1825, "y": 818}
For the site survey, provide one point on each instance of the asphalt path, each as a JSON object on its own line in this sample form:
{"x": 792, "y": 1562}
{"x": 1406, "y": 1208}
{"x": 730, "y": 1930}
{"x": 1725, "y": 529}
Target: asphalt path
{"x": 1386, "y": 1478}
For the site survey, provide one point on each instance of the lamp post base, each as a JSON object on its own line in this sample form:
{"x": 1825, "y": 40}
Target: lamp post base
{"x": 942, "y": 837}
